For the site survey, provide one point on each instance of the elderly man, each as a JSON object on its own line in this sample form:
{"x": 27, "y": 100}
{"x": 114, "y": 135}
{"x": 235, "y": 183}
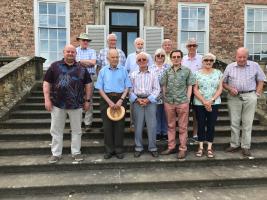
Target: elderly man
{"x": 244, "y": 81}
{"x": 102, "y": 59}
{"x": 167, "y": 46}
{"x": 87, "y": 58}
{"x": 131, "y": 64}
{"x": 143, "y": 95}
{"x": 194, "y": 62}
{"x": 177, "y": 84}
{"x": 113, "y": 84}
{"x": 66, "y": 80}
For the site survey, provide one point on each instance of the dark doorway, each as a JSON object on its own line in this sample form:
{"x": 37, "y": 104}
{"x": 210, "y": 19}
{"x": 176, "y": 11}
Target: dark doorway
{"x": 125, "y": 24}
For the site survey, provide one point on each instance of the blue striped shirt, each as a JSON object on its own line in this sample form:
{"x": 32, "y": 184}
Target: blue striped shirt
{"x": 86, "y": 54}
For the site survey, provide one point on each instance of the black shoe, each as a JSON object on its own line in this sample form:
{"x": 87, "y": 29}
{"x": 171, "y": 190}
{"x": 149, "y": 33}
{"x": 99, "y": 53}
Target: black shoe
{"x": 154, "y": 153}
{"x": 87, "y": 128}
{"x": 108, "y": 155}
{"x": 164, "y": 137}
{"x": 158, "y": 138}
{"x": 120, "y": 155}
{"x": 137, "y": 154}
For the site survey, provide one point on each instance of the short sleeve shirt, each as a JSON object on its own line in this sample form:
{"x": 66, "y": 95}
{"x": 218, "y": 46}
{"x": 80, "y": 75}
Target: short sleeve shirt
{"x": 176, "y": 83}
{"x": 68, "y": 83}
{"x": 208, "y": 85}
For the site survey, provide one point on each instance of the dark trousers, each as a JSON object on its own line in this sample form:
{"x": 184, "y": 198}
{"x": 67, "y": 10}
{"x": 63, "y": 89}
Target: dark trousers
{"x": 113, "y": 130}
{"x": 206, "y": 122}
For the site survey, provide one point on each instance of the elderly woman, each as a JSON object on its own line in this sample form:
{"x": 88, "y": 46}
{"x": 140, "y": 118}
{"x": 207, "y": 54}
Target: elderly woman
{"x": 159, "y": 67}
{"x": 207, "y": 90}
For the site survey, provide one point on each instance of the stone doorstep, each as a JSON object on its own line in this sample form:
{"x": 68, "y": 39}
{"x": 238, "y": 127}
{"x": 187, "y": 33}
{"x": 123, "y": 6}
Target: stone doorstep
{"x": 133, "y": 178}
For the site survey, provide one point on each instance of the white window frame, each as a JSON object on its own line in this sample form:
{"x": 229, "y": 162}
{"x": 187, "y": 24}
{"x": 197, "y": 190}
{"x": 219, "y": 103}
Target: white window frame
{"x": 245, "y": 18}
{"x": 36, "y": 22}
{"x": 141, "y": 16}
{"x": 207, "y": 10}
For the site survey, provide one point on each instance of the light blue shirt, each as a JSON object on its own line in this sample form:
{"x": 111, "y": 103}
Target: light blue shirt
{"x": 113, "y": 79}
{"x": 131, "y": 64}
{"x": 86, "y": 54}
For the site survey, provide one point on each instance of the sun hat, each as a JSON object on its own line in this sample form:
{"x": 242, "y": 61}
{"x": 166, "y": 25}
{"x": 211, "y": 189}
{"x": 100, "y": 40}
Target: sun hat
{"x": 116, "y": 114}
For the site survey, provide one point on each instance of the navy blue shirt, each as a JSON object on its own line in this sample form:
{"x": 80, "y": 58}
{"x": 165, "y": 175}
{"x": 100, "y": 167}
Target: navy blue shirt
{"x": 68, "y": 84}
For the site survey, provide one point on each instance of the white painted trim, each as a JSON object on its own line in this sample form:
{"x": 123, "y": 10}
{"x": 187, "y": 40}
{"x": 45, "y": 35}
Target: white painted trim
{"x": 207, "y": 22}
{"x": 36, "y": 21}
{"x": 141, "y": 16}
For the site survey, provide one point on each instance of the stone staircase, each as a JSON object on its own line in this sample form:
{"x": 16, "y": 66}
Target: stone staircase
{"x": 26, "y": 174}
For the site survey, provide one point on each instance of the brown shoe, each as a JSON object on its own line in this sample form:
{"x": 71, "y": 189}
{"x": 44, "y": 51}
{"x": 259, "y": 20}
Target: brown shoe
{"x": 168, "y": 152}
{"x": 181, "y": 155}
{"x": 232, "y": 149}
{"x": 246, "y": 152}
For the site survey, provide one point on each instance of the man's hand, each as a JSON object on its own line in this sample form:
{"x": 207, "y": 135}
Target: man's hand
{"x": 118, "y": 104}
{"x": 48, "y": 105}
{"x": 86, "y": 106}
{"x": 233, "y": 91}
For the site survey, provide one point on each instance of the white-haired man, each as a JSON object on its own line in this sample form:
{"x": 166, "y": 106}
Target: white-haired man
{"x": 167, "y": 46}
{"x": 102, "y": 58}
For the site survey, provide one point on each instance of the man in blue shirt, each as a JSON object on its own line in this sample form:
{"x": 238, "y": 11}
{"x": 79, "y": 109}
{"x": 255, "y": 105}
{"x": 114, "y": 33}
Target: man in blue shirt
{"x": 113, "y": 84}
{"x": 87, "y": 58}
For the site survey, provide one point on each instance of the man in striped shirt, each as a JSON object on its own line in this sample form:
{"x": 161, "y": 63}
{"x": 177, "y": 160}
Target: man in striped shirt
{"x": 143, "y": 96}
{"x": 244, "y": 81}
{"x": 87, "y": 58}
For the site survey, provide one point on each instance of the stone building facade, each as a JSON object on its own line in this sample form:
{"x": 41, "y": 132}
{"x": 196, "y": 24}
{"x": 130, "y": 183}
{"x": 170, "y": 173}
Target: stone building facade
{"x": 227, "y": 24}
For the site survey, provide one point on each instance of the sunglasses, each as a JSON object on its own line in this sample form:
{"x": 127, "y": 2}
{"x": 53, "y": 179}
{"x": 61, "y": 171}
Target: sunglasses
{"x": 176, "y": 57}
{"x": 141, "y": 59}
{"x": 160, "y": 56}
{"x": 191, "y": 45}
{"x": 207, "y": 60}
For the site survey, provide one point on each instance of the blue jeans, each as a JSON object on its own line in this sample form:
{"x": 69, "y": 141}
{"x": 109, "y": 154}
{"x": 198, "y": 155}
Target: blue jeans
{"x": 142, "y": 115}
{"x": 162, "y": 127}
{"x": 206, "y": 119}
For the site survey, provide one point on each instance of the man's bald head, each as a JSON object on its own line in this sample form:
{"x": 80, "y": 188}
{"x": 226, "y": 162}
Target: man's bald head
{"x": 69, "y": 53}
{"x": 113, "y": 57}
{"x": 242, "y": 54}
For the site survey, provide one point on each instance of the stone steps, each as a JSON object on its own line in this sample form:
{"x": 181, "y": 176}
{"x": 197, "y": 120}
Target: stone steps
{"x": 152, "y": 178}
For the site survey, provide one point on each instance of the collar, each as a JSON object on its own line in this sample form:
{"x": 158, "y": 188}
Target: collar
{"x": 147, "y": 71}
{"x": 74, "y": 64}
{"x": 236, "y": 65}
{"x": 193, "y": 58}
{"x": 116, "y": 68}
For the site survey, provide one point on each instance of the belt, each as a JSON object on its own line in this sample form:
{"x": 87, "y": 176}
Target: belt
{"x": 114, "y": 94}
{"x": 244, "y": 92}
{"x": 142, "y": 96}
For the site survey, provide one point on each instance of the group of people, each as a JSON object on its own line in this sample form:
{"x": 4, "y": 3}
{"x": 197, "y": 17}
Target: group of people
{"x": 162, "y": 89}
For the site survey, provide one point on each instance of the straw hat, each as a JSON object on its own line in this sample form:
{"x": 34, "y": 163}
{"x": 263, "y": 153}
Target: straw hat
{"x": 84, "y": 36}
{"x": 116, "y": 114}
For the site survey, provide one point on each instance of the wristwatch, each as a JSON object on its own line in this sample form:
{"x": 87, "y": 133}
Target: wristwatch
{"x": 212, "y": 99}
{"x": 88, "y": 100}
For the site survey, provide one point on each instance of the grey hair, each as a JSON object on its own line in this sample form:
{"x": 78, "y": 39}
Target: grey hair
{"x": 142, "y": 53}
{"x": 111, "y": 34}
{"x": 159, "y": 51}
{"x": 209, "y": 55}
{"x": 136, "y": 39}
{"x": 191, "y": 41}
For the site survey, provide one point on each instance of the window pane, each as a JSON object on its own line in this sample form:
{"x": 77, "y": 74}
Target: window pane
{"x": 193, "y": 12}
{"x": 201, "y": 13}
{"x": 200, "y": 37}
{"x": 52, "y": 45}
{"x": 185, "y": 24}
{"x": 264, "y": 14}
{"x": 53, "y": 34}
{"x": 43, "y": 8}
{"x": 192, "y": 35}
{"x": 119, "y": 38}
{"x": 264, "y": 38}
{"x": 249, "y": 38}
{"x": 250, "y": 48}
{"x": 62, "y": 34}
{"x": 193, "y": 24}
{"x": 43, "y": 20}
{"x": 61, "y": 45}
{"x": 43, "y": 45}
{"x": 257, "y": 48}
{"x": 264, "y": 49}
{"x": 258, "y": 26}
{"x": 61, "y": 21}
{"x": 43, "y": 33}
{"x": 44, "y": 55}
{"x": 61, "y": 9}
{"x": 264, "y": 57}
{"x": 52, "y": 8}
{"x": 257, "y": 38}
{"x": 52, "y": 56}
{"x": 52, "y": 20}
{"x": 124, "y": 19}
{"x": 201, "y": 25}
{"x": 59, "y": 56}
{"x": 184, "y": 36}
{"x": 264, "y": 26}
{"x": 250, "y": 14}
{"x": 258, "y": 14}
{"x": 250, "y": 26}
{"x": 130, "y": 42}
{"x": 200, "y": 48}
{"x": 185, "y": 12}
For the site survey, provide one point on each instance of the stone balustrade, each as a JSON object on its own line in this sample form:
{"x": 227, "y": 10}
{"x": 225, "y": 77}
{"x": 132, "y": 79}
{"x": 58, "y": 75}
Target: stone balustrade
{"x": 17, "y": 79}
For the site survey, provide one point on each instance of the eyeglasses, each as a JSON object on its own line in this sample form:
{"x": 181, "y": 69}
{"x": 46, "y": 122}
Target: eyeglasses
{"x": 160, "y": 56}
{"x": 176, "y": 57}
{"x": 85, "y": 40}
{"x": 207, "y": 60}
{"x": 192, "y": 45}
{"x": 141, "y": 59}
